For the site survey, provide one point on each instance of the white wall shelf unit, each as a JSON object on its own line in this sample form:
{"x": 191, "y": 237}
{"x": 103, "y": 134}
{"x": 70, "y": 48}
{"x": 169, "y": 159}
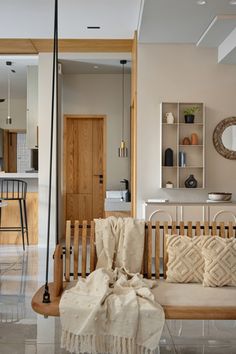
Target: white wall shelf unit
{"x": 172, "y": 136}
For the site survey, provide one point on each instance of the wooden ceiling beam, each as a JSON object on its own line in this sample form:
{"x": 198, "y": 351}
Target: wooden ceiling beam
{"x": 35, "y": 46}
{"x": 17, "y": 46}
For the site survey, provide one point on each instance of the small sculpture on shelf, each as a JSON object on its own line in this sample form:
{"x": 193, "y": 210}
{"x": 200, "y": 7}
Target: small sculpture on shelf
{"x": 186, "y": 141}
{"x": 194, "y": 139}
{"x": 170, "y": 118}
{"x": 169, "y": 157}
{"x": 191, "y": 182}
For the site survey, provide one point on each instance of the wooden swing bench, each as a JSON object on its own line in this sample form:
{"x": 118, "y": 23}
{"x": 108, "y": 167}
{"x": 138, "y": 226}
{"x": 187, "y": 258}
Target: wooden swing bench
{"x": 180, "y": 301}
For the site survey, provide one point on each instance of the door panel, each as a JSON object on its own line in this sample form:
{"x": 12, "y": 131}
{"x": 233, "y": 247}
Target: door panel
{"x": 79, "y": 207}
{"x": 85, "y": 166}
{"x": 69, "y": 156}
{"x": 83, "y": 154}
{"x": 85, "y": 207}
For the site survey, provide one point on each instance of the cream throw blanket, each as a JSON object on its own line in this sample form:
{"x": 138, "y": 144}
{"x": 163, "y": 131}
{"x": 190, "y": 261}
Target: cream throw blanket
{"x": 113, "y": 311}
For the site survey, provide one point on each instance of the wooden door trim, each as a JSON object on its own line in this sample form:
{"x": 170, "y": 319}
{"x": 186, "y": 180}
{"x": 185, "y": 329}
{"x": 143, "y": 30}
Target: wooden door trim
{"x": 45, "y": 45}
{"x": 103, "y": 117}
{"x": 133, "y": 128}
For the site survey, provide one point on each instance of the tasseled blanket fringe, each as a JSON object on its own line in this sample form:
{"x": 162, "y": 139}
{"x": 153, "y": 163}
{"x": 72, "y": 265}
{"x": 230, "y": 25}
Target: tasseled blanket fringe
{"x": 106, "y": 344}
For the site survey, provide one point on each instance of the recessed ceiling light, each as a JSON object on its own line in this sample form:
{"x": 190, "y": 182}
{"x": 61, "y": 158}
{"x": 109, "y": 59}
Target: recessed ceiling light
{"x": 94, "y": 27}
{"x": 201, "y": 2}
{"x": 95, "y": 67}
{"x": 232, "y": 2}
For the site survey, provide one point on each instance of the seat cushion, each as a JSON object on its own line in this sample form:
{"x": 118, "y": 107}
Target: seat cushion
{"x": 193, "y": 294}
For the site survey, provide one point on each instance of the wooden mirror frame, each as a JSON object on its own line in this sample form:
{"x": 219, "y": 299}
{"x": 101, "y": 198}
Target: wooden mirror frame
{"x": 217, "y": 138}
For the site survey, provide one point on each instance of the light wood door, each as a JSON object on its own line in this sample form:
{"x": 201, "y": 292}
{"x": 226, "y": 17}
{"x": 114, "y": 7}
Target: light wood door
{"x": 84, "y": 168}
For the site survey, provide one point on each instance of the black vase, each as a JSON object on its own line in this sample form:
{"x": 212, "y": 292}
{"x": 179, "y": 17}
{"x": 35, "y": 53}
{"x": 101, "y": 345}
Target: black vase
{"x": 189, "y": 118}
{"x": 191, "y": 182}
{"x": 169, "y": 157}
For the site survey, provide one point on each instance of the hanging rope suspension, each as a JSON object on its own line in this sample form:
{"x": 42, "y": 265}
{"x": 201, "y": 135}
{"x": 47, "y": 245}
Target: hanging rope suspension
{"x": 46, "y": 295}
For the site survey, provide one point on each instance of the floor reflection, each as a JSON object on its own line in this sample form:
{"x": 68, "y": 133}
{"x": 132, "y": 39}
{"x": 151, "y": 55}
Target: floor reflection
{"x": 24, "y": 332}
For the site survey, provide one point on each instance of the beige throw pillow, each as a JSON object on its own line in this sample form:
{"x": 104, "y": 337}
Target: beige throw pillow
{"x": 220, "y": 261}
{"x": 185, "y": 260}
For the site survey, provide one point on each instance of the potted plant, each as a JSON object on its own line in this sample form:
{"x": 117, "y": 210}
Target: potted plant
{"x": 189, "y": 113}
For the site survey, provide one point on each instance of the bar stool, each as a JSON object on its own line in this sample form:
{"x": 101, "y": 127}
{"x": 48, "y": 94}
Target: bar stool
{"x": 15, "y": 189}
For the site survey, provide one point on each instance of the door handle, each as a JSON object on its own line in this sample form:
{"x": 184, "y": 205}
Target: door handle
{"x": 100, "y": 176}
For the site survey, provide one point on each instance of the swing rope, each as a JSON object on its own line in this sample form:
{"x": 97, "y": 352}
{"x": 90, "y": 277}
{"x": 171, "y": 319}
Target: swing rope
{"x": 46, "y": 295}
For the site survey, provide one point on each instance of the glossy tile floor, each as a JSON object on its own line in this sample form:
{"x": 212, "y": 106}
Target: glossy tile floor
{"x": 24, "y": 332}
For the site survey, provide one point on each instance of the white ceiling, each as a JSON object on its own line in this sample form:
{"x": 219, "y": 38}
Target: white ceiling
{"x": 69, "y": 66}
{"x": 179, "y": 21}
{"x": 34, "y": 18}
{"x": 158, "y": 21}
{"x": 162, "y": 21}
{"x": 17, "y": 79}
{"x": 102, "y": 66}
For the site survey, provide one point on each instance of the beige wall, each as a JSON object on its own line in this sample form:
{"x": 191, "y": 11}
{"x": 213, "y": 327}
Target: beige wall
{"x": 101, "y": 94}
{"x": 44, "y": 114}
{"x": 172, "y": 73}
{"x": 18, "y": 114}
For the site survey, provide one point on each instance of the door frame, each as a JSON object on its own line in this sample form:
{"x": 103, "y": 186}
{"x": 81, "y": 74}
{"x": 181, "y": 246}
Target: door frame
{"x": 103, "y": 117}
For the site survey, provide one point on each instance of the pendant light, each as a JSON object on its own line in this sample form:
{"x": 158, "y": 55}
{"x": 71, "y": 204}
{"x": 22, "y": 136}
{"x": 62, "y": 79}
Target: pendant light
{"x": 122, "y": 150}
{"x": 8, "y": 120}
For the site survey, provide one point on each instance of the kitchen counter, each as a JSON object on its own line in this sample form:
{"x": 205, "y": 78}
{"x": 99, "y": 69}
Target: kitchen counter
{"x": 18, "y": 175}
{"x": 30, "y": 178}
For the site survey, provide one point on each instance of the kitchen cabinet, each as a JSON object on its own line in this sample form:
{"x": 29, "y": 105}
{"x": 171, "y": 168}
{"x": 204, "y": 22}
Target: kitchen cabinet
{"x": 9, "y": 161}
{"x": 32, "y": 107}
{"x": 185, "y": 142}
{"x": 1, "y": 143}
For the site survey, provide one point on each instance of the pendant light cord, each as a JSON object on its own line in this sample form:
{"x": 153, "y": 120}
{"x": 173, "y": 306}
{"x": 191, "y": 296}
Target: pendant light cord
{"x": 9, "y": 95}
{"x": 123, "y": 101}
{"x": 57, "y": 130}
{"x": 46, "y": 295}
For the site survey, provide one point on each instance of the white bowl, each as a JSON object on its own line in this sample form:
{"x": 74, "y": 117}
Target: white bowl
{"x": 220, "y": 196}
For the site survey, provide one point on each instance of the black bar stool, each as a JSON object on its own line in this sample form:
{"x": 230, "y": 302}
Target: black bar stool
{"x": 15, "y": 189}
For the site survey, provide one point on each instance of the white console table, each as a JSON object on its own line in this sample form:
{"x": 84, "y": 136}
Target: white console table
{"x": 190, "y": 211}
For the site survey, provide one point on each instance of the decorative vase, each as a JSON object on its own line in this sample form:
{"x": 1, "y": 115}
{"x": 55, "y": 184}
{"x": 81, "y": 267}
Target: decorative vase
{"x": 189, "y": 118}
{"x": 169, "y": 118}
{"x": 194, "y": 139}
{"x": 168, "y": 157}
{"x": 191, "y": 182}
{"x": 182, "y": 159}
{"x": 186, "y": 141}
{"x": 169, "y": 184}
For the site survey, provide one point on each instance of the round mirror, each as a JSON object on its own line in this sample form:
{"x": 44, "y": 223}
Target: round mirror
{"x": 229, "y": 137}
{"x": 224, "y": 138}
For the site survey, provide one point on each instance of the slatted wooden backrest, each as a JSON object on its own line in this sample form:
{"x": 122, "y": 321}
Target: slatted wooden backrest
{"x": 76, "y": 253}
{"x": 80, "y": 251}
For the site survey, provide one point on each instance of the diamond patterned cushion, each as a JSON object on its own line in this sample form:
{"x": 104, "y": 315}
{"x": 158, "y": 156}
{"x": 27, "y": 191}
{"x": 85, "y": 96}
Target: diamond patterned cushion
{"x": 220, "y": 261}
{"x": 185, "y": 260}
